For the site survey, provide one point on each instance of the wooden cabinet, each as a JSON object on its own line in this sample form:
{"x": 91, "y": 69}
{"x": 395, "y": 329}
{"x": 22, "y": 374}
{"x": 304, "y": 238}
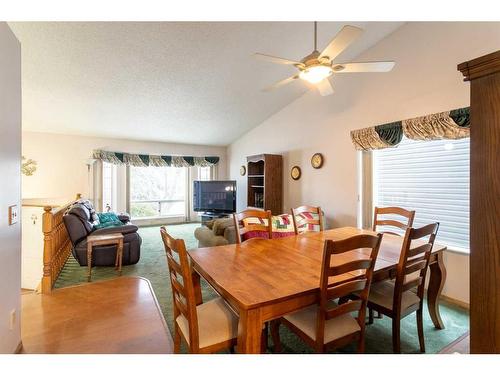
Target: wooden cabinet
{"x": 265, "y": 182}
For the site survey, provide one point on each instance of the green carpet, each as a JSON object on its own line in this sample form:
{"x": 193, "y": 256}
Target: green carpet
{"x": 153, "y": 267}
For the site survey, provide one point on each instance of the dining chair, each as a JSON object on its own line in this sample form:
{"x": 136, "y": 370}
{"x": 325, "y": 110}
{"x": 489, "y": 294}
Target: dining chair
{"x": 397, "y": 299}
{"x": 307, "y": 218}
{"x": 327, "y": 325}
{"x": 207, "y": 328}
{"x": 252, "y": 224}
{"x": 391, "y": 222}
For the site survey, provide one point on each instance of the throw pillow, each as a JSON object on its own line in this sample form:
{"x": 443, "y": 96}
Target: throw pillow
{"x": 282, "y": 226}
{"x": 220, "y": 226}
{"x": 248, "y": 222}
{"x": 303, "y": 226}
{"x": 107, "y": 219}
{"x": 209, "y": 223}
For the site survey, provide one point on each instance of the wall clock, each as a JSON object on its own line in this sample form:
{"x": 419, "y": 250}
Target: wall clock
{"x": 243, "y": 170}
{"x": 317, "y": 160}
{"x": 295, "y": 172}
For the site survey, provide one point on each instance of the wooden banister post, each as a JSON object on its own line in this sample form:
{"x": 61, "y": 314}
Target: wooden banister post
{"x": 56, "y": 245}
{"x": 48, "y": 249}
{"x": 484, "y": 76}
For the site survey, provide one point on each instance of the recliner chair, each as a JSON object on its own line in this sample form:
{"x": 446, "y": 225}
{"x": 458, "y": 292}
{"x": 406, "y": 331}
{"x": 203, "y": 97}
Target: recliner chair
{"x": 79, "y": 221}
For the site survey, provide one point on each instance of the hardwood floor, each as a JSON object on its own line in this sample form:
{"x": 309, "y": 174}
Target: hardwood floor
{"x": 118, "y": 316}
{"x": 460, "y": 345}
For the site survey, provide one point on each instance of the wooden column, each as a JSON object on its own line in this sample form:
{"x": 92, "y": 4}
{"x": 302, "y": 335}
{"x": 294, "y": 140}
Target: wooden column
{"x": 484, "y": 75}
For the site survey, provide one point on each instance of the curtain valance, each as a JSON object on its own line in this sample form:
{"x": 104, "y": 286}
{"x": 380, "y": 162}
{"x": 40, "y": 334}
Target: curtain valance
{"x": 453, "y": 124}
{"x": 141, "y": 160}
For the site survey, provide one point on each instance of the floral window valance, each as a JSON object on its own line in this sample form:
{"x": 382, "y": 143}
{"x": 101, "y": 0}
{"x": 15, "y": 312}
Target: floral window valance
{"x": 140, "y": 160}
{"x": 453, "y": 124}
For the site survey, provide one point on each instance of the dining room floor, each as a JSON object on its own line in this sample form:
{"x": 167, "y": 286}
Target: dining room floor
{"x": 152, "y": 266}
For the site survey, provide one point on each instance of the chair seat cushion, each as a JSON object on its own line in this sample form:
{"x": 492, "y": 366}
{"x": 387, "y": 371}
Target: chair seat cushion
{"x": 216, "y": 323}
{"x": 382, "y": 294}
{"x": 341, "y": 326}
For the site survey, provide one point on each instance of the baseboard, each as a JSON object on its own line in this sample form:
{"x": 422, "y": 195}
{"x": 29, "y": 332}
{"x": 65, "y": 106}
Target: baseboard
{"x": 454, "y": 301}
{"x": 19, "y": 348}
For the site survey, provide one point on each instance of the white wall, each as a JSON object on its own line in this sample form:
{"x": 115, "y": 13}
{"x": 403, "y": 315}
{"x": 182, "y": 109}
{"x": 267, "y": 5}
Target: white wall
{"x": 10, "y": 194}
{"x": 62, "y": 171}
{"x": 425, "y": 80}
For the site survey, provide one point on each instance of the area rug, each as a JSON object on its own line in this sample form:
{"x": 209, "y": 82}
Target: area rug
{"x": 153, "y": 267}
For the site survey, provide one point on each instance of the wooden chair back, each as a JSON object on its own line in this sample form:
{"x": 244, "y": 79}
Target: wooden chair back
{"x": 409, "y": 215}
{"x": 241, "y": 228}
{"x": 414, "y": 260}
{"x": 359, "y": 284}
{"x": 307, "y": 221}
{"x": 181, "y": 280}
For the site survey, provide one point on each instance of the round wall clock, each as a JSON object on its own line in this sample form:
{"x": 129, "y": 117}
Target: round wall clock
{"x": 317, "y": 160}
{"x": 243, "y": 170}
{"x": 295, "y": 172}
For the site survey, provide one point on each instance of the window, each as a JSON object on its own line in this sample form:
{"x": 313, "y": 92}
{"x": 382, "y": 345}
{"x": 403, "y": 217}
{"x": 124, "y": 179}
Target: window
{"x": 157, "y": 192}
{"x": 430, "y": 177}
{"x": 205, "y": 173}
{"x": 109, "y": 188}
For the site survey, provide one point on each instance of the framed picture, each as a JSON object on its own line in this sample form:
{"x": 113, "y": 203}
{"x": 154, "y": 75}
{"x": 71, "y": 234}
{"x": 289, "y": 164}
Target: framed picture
{"x": 295, "y": 172}
{"x": 317, "y": 160}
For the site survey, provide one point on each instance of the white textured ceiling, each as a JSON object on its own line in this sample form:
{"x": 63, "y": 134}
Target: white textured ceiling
{"x": 179, "y": 82}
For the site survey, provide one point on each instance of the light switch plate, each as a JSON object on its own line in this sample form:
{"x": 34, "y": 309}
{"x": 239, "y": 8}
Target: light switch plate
{"x": 13, "y": 214}
{"x": 12, "y": 320}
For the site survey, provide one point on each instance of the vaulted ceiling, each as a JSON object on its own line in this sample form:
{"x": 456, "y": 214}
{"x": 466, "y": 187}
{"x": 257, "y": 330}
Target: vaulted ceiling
{"x": 179, "y": 82}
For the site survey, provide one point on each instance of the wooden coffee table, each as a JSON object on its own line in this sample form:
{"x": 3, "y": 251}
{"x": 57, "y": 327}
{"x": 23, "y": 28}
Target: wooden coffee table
{"x": 105, "y": 239}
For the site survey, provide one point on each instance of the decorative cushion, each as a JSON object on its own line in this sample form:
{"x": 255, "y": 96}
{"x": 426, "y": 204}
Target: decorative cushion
{"x": 216, "y": 323}
{"x": 220, "y": 225}
{"x": 282, "y": 226}
{"x": 303, "y": 226}
{"x": 382, "y": 294}
{"x": 335, "y": 328}
{"x": 88, "y": 205}
{"x": 209, "y": 223}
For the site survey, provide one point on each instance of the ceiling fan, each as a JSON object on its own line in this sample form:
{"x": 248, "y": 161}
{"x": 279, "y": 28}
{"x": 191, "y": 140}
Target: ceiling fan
{"x": 317, "y": 67}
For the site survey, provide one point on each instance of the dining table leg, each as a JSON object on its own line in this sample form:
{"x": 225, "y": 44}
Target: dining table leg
{"x": 249, "y": 332}
{"x": 436, "y": 283}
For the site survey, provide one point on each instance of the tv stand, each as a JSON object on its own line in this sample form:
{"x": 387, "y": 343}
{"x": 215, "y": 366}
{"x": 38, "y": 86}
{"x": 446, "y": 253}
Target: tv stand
{"x": 209, "y": 215}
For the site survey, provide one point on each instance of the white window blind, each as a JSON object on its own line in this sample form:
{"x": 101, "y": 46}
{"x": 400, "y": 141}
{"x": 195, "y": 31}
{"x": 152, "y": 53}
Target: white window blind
{"x": 432, "y": 178}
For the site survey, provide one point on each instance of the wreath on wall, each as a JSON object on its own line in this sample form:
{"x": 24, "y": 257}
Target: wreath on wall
{"x": 28, "y": 166}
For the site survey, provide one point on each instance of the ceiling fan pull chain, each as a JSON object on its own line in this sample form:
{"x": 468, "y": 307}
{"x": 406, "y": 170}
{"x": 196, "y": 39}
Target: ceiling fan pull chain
{"x": 315, "y": 35}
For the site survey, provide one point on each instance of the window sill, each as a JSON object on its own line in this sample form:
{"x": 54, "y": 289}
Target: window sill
{"x": 157, "y": 217}
{"x": 458, "y": 250}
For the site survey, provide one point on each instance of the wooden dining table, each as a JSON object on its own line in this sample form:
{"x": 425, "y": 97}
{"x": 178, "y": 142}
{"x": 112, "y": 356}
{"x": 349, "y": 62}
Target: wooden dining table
{"x": 265, "y": 279}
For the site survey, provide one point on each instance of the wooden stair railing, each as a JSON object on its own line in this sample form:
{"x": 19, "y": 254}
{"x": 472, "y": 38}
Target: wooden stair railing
{"x": 56, "y": 244}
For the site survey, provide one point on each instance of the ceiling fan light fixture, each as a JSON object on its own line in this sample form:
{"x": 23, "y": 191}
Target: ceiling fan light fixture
{"x": 316, "y": 73}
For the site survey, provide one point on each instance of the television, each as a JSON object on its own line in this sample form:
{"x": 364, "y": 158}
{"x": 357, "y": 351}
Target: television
{"x": 214, "y": 196}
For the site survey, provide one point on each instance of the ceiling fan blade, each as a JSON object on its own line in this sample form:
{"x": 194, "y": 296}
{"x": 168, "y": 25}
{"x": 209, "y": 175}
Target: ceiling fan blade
{"x": 325, "y": 87}
{"x": 281, "y": 83}
{"x": 364, "y": 67}
{"x": 341, "y": 41}
{"x": 277, "y": 60}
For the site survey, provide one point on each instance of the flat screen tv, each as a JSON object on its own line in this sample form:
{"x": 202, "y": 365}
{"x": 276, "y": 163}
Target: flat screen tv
{"x": 214, "y": 196}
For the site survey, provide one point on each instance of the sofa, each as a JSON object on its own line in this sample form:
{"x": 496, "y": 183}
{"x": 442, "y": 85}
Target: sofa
{"x": 216, "y": 232}
{"x": 81, "y": 220}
